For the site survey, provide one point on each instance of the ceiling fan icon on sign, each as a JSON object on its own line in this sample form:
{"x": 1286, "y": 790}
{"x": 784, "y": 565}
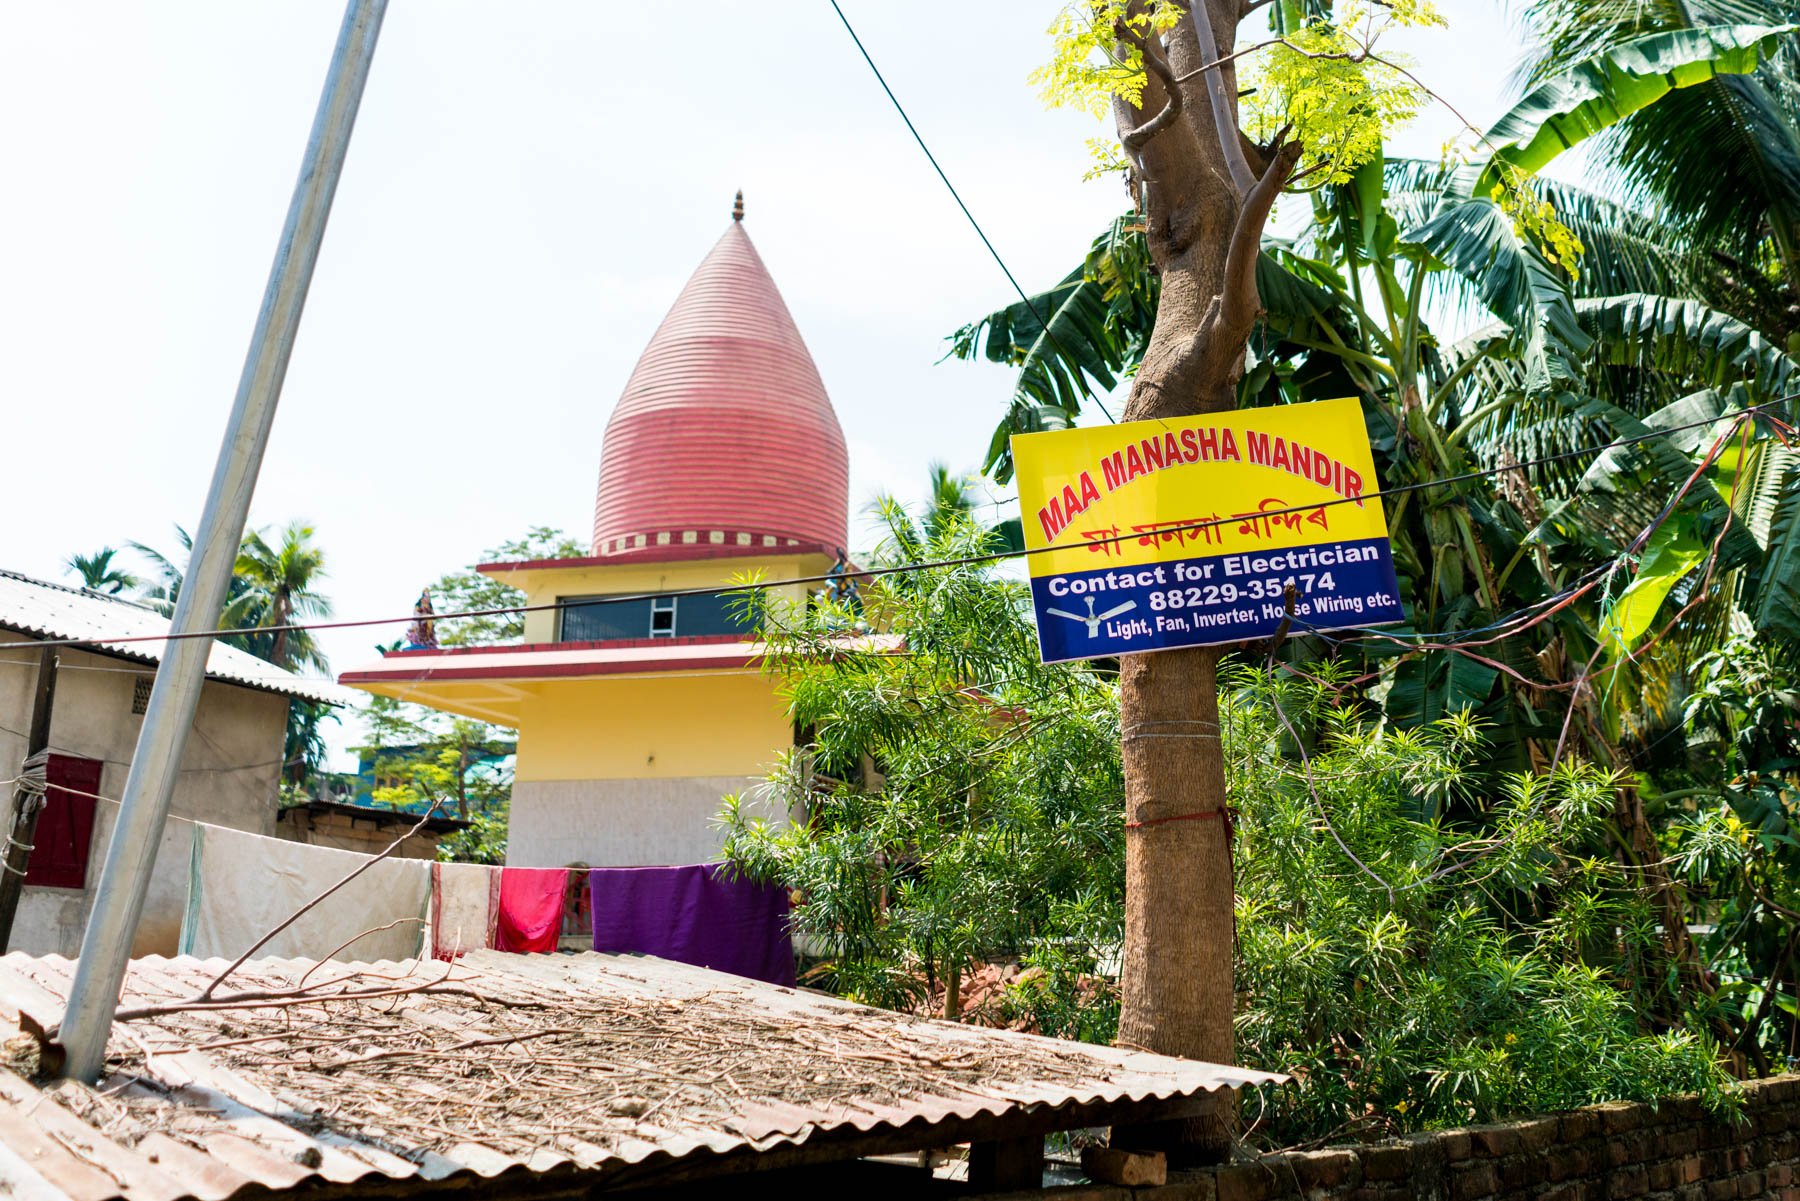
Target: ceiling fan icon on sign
{"x": 1093, "y": 620}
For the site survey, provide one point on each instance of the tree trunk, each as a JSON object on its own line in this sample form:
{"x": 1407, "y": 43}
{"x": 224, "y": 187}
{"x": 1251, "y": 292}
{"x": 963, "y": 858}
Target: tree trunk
{"x": 1205, "y": 194}
{"x": 462, "y": 779}
{"x": 1177, "y": 974}
{"x": 278, "y": 616}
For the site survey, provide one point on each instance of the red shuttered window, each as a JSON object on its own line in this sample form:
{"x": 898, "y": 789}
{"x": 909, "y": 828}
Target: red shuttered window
{"x": 65, "y": 828}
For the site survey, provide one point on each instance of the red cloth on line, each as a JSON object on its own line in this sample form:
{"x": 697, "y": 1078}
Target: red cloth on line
{"x": 531, "y": 907}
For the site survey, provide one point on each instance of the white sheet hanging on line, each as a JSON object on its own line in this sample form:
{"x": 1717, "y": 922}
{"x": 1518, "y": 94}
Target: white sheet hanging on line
{"x": 242, "y": 885}
{"x": 465, "y": 904}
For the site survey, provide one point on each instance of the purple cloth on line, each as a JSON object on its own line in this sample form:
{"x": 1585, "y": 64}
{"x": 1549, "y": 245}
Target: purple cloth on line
{"x": 696, "y": 914}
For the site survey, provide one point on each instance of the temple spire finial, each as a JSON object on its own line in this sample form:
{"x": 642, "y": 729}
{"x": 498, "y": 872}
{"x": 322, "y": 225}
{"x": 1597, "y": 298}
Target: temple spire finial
{"x": 737, "y": 209}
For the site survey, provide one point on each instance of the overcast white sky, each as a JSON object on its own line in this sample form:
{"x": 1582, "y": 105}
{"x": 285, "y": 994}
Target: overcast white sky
{"x": 529, "y": 185}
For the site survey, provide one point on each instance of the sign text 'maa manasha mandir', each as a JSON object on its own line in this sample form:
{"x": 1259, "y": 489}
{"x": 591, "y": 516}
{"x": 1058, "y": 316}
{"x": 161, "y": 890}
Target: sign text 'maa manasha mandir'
{"x": 1204, "y": 530}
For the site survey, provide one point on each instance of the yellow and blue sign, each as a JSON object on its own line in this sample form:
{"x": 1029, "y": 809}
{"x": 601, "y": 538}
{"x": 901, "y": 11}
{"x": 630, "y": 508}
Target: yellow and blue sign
{"x": 1190, "y": 532}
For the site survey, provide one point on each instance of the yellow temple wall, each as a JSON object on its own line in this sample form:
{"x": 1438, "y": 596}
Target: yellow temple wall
{"x": 630, "y": 771}
{"x": 652, "y": 727}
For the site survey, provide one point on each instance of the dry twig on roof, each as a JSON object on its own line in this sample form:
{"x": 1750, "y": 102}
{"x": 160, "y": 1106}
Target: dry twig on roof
{"x": 521, "y": 1065}
{"x": 206, "y": 993}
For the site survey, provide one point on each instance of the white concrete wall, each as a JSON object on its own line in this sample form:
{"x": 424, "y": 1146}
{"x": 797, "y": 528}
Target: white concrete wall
{"x": 623, "y": 823}
{"x": 230, "y": 773}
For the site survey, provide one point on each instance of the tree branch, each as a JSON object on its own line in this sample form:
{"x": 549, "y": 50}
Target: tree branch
{"x": 1135, "y": 139}
{"x": 275, "y": 1000}
{"x": 207, "y": 992}
{"x": 1224, "y": 106}
{"x": 1240, "y": 303}
{"x": 1216, "y": 63}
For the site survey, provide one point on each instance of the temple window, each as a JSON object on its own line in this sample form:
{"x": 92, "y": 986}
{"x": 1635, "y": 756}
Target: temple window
{"x": 601, "y": 619}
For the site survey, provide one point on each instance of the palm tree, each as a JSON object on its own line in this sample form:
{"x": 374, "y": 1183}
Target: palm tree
{"x": 951, "y": 502}
{"x": 164, "y": 590}
{"x": 280, "y": 587}
{"x": 271, "y": 586}
{"x": 99, "y": 573}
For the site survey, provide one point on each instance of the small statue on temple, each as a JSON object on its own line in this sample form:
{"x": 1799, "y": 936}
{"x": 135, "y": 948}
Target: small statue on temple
{"x": 421, "y": 635}
{"x": 840, "y": 586}
{"x": 843, "y": 597}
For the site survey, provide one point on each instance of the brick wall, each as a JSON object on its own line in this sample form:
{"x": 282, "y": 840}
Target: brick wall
{"x": 1669, "y": 1152}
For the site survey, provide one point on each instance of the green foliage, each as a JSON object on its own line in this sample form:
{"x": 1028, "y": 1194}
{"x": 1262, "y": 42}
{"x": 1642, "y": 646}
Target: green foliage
{"x": 960, "y": 799}
{"x": 99, "y": 572}
{"x": 1346, "y": 314}
{"x": 1431, "y": 936}
{"x": 277, "y": 585}
{"x": 1420, "y": 943}
{"x": 1482, "y": 243}
{"x": 1091, "y": 63}
{"x": 1668, "y": 557}
{"x": 1424, "y": 946}
{"x": 1319, "y": 77}
{"x": 485, "y": 839}
{"x": 1584, "y": 98}
{"x": 462, "y": 591}
{"x": 421, "y": 757}
{"x": 1774, "y": 608}
{"x": 1326, "y": 84}
{"x": 271, "y": 585}
{"x": 1688, "y": 340}
{"x": 1718, "y": 162}
{"x": 303, "y": 756}
{"x": 1736, "y": 835}
{"x": 1086, "y": 333}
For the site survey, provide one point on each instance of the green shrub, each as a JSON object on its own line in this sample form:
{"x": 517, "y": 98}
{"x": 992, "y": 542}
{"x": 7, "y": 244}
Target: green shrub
{"x": 1419, "y": 944}
{"x": 1422, "y": 948}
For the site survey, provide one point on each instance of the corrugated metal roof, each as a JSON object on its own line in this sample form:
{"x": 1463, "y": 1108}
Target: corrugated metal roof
{"x": 622, "y": 1069}
{"x": 48, "y": 610}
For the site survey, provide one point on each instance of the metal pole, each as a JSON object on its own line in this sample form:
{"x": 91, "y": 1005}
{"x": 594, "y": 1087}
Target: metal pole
{"x": 119, "y": 897}
{"x": 28, "y": 800}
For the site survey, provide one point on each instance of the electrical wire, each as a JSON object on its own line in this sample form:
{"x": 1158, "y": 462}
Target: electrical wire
{"x": 1044, "y": 325}
{"x": 1740, "y": 426}
{"x": 863, "y": 573}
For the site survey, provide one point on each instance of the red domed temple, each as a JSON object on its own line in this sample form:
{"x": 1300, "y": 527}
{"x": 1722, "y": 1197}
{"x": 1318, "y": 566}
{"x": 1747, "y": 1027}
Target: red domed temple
{"x": 636, "y": 692}
{"x": 724, "y": 431}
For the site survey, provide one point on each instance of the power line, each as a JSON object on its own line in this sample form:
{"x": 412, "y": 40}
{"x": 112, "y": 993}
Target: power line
{"x": 1080, "y": 380}
{"x": 960, "y": 561}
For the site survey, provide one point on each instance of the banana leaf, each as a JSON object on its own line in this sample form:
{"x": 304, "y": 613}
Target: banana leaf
{"x": 1589, "y": 96}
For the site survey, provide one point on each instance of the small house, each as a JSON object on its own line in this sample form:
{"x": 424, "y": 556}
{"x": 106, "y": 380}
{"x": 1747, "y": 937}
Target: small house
{"x": 365, "y": 829}
{"x": 230, "y": 769}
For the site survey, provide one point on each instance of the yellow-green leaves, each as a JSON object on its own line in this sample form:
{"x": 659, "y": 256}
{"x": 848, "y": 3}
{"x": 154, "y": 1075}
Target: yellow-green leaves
{"x": 1324, "y": 79}
{"x": 1331, "y": 85}
{"x": 1092, "y": 63}
{"x": 1671, "y": 554}
{"x": 1107, "y": 158}
{"x": 1535, "y": 219}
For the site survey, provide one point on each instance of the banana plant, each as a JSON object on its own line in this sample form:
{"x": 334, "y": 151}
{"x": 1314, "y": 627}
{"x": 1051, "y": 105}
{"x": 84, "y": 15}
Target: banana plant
{"x": 1346, "y": 313}
{"x": 1717, "y": 161}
